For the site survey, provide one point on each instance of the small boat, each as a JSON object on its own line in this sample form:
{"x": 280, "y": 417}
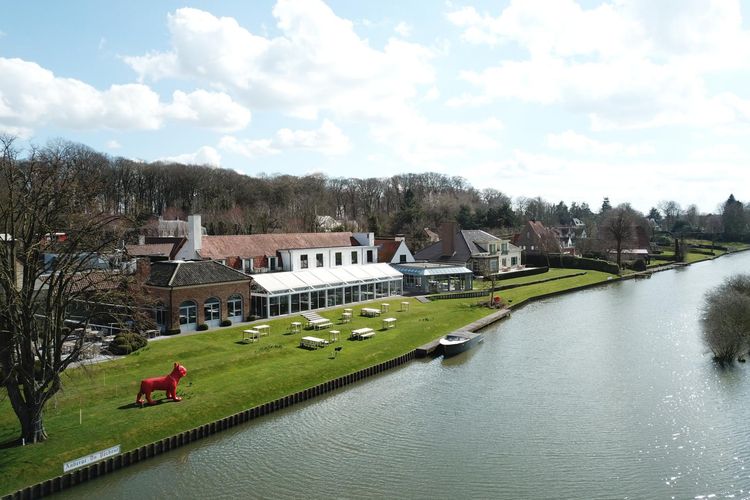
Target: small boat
{"x": 455, "y": 343}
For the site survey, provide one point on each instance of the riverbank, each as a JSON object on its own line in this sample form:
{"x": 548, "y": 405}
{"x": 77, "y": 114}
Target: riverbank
{"x": 226, "y": 377}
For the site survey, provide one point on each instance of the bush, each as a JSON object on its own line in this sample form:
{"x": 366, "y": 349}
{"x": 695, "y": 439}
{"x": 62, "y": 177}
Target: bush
{"x": 125, "y": 343}
{"x": 226, "y": 322}
{"x": 173, "y": 331}
{"x": 726, "y": 319}
{"x": 571, "y": 262}
{"x": 202, "y": 327}
{"x": 638, "y": 265}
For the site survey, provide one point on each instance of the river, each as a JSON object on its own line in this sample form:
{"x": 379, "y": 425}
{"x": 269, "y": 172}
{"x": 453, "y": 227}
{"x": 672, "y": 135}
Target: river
{"x": 603, "y": 393}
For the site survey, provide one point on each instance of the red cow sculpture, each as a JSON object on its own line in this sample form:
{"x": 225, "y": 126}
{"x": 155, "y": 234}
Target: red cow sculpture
{"x": 166, "y": 383}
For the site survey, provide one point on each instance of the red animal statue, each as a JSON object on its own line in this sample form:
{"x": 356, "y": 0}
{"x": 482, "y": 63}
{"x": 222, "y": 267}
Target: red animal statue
{"x": 167, "y": 383}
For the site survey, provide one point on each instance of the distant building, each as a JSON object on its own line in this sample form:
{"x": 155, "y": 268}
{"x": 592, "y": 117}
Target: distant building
{"x": 536, "y": 239}
{"x": 393, "y": 250}
{"x": 477, "y": 250}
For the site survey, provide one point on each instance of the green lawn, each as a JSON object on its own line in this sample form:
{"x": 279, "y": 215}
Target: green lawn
{"x": 552, "y": 273}
{"x": 224, "y": 377}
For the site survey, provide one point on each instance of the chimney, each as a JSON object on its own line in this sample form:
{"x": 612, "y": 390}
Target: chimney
{"x": 447, "y": 234}
{"x": 142, "y": 269}
{"x": 141, "y": 239}
{"x": 399, "y": 237}
{"x": 194, "y": 232}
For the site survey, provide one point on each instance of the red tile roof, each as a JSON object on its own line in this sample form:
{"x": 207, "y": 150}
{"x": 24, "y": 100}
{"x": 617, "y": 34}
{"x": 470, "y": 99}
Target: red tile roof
{"x": 386, "y": 249}
{"x": 256, "y": 245}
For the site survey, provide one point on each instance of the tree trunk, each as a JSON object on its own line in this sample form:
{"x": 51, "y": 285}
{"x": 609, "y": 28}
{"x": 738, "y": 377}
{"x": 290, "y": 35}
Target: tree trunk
{"x": 30, "y": 415}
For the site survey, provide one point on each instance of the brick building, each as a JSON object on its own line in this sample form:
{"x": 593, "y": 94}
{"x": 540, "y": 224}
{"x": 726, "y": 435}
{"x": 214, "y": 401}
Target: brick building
{"x": 191, "y": 293}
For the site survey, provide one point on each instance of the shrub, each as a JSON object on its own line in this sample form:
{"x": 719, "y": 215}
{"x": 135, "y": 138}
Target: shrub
{"x": 226, "y": 322}
{"x": 202, "y": 327}
{"x": 125, "y": 343}
{"x": 172, "y": 331}
{"x": 638, "y": 265}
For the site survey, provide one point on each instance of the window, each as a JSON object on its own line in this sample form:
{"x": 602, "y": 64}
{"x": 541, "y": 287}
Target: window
{"x": 272, "y": 263}
{"x": 303, "y": 261}
{"x": 247, "y": 266}
{"x": 223, "y": 262}
{"x": 493, "y": 248}
{"x": 188, "y": 313}
{"x": 211, "y": 314}
{"x": 338, "y": 258}
{"x": 318, "y": 260}
{"x": 234, "y": 307}
{"x": 369, "y": 256}
{"x": 504, "y": 249}
{"x": 513, "y": 261}
{"x": 354, "y": 257}
{"x": 402, "y": 258}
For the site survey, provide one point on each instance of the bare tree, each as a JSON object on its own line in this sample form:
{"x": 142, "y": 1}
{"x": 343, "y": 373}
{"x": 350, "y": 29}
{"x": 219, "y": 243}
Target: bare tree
{"x": 618, "y": 226}
{"x": 726, "y": 319}
{"x": 50, "y": 193}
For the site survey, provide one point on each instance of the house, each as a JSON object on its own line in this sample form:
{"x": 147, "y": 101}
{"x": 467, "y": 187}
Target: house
{"x": 537, "y": 239}
{"x": 393, "y": 250}
{"x": 477, "y": 250}
{"x": 633, "y": 248}
{"x": 430, "y": 277}
{"x": 327, "y": 223}
{"x": 190, "y": 293}
{"x": 293, "y": 273}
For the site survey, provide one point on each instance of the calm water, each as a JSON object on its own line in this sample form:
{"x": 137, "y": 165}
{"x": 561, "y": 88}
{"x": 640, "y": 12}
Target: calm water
{"x": 606, "y": 393}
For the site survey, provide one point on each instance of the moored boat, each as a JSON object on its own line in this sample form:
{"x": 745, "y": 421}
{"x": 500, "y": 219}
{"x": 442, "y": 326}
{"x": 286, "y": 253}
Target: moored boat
{"x": 455, "y": 343}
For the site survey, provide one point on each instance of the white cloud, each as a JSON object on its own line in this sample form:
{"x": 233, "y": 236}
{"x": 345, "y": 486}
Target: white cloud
{"x": 32, "y": 96}
{"x": 206, "y": 155}
{"x": 327, "y": 140}
{"x": 578, "y": 143}
{"x": 403, "y": 29}
{"x": 113, "y": 144}
{"x": 318, "y": 64}
{"x": 624, "y": 64}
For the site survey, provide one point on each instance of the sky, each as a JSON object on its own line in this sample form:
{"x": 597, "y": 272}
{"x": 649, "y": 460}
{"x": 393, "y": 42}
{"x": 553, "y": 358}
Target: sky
{"x": 640, "y": 101}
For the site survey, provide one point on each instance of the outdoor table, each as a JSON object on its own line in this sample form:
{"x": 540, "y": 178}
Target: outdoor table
{"x": 321, "y": 323}
{"x": 263, "y": 329}
{"x": 346, "y": 317}
{"x": 295, "y": 327}
{"x": 313, "y": 342}
{"x": 348, "y": 310}
{"x": 405, "y": 306}
{"x": 250, "y": 335}
{"x": 361, "y": 332}
{"x": 384, "y": 307}
{"x": 370, "y": 312}
{"x": 333, "y": 335}
{"x": 389, "y": 323}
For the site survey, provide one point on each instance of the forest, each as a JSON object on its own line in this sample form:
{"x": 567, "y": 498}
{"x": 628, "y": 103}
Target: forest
{"x": 233, "y": 203}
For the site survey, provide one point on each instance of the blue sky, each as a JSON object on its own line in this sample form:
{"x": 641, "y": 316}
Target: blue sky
{"x": 638, "y": 101}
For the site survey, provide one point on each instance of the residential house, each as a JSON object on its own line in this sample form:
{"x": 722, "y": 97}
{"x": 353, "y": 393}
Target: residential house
{"x": 536, "y": 239}
{"x": 393, "y": 250}
{"x": 477, "y": 250}
{"x": 190, "y": 293}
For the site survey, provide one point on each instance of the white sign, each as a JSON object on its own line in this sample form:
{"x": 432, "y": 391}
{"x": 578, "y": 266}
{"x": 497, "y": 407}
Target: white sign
{"x": 90, "y": 459}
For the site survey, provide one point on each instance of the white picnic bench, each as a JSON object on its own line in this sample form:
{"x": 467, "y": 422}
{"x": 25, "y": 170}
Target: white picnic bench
{"x": 263, "y": 329}
{"x": 250, "y": 335}
{"x": 319, "y": 324}
{"x": 312, "y": 342}
{"x": 363, "y": 333}
{"x": 369, "y": 312}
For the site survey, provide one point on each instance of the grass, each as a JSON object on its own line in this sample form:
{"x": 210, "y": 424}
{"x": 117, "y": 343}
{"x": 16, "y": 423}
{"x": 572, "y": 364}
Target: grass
{"x": 224, "y": 377}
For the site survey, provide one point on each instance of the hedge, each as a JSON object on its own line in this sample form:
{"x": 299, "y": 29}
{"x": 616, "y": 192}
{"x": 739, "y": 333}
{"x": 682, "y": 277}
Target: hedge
{"x": 571, "y": 262}
{"x": 125, "y": 343}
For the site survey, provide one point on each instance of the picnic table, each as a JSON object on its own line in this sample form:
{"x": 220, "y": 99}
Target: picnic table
{"x": 312, "y": 342}
{"x": 263, "y": 329}
{"x": 333, "y": 335}
{"x": 250, "y": 335}
{"x": 295, "y": 327}
{"x": 389, "y": 323}
{"x": 369, "y": 312}
{"x": 346, "y": 317}
{"x": 319, "y": 324}
{"x": 405, "y": 306}
{"x": 363, "y": 333}
{"x": 384, "y": 307}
